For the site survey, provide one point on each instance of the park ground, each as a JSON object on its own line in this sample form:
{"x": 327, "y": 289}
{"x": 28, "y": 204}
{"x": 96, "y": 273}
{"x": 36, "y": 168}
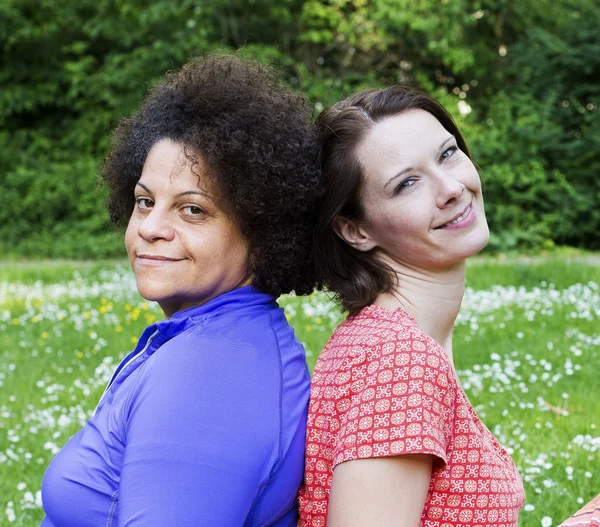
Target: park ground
{"x": 526, "y": 349}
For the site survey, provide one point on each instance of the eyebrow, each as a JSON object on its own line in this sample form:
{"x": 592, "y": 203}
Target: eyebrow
{"x": 408, "y": 169}
{"x": 186, "y": 193}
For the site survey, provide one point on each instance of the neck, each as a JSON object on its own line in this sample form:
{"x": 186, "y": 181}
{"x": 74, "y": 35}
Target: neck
{"x": 432, "y": 298}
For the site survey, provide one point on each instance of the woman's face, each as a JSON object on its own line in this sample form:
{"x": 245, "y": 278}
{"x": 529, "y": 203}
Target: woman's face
{"x": 183, "y": 247}
{"x": 421, "y": 194}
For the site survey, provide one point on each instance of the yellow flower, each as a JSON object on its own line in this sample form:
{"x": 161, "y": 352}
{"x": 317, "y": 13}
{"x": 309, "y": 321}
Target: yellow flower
{"x": 103, "y": 309}
{"x": 318, "y": 320}
{"x": 118, "y": 329}
{"x": 134, "y": 340}
{"x": 35, "y": 318}
{"x": 79, "y": 355}
{"x": 145, "y": 306}
{"x": 44, "y": 335}
{"x": 308, "y": 327}
{"x": 15, "y": 321}
{"x": 150, "y": 318}
{"x": 87, "y": 314}
{"x": 127, "y": 307}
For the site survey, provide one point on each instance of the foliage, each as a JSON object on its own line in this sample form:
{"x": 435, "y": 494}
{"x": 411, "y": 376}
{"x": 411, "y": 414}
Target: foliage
{"x": 558, "y": 68}
{"x": 520, "y": 77}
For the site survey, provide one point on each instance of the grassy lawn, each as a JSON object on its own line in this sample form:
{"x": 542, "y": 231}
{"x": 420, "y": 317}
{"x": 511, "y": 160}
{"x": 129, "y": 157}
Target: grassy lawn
{"x": 526, "y": 347}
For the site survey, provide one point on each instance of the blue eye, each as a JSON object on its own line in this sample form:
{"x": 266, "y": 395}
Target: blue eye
{"x": 408, "y": 182}
{"x": 449, "y": 152}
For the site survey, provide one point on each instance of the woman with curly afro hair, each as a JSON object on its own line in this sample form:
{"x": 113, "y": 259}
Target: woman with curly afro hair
{"x": 216, "y": 179}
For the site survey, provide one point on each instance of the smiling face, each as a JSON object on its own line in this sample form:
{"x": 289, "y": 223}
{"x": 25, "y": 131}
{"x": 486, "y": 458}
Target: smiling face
{"x": 421, "y": 195}
{"x": 183, "y": 247}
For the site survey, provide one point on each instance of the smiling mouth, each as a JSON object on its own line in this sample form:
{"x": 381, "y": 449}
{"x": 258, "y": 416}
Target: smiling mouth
{"x": 157, "y": 258}
{"x": 459, "y": 218}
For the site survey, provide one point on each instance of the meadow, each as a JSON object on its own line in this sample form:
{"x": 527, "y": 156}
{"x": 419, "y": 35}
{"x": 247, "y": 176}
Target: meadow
{"x": 526, "y": 348}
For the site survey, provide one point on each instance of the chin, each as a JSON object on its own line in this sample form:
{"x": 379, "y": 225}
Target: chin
{"x": 479, "y": 242}
{"x": 150, "y": 292}
{"x": 471, "y": 246}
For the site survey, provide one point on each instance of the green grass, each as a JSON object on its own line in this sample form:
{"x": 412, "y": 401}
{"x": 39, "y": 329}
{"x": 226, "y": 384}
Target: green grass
{"x": 484, "y": 272}
{"x": 51, "y": 271}
{"x": 526, "y": 348}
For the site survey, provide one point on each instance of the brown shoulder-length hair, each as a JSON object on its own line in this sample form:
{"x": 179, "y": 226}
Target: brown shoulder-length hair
{"x": 357, "y": 277}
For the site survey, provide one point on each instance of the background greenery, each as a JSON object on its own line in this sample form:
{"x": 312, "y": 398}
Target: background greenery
{"x": 521, "y": 79}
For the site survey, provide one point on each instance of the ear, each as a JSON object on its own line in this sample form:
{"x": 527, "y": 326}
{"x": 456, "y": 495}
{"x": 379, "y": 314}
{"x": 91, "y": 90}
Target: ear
{"x": 353, "y": 234}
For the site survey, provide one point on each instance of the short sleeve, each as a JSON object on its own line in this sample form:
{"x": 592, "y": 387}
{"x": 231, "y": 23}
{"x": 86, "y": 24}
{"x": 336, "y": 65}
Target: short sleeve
{"x": 394, "y": 398}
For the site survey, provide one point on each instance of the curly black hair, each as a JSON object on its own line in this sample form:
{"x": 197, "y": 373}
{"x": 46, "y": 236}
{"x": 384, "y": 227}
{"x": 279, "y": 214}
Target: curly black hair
{"x": 258, "y": 140}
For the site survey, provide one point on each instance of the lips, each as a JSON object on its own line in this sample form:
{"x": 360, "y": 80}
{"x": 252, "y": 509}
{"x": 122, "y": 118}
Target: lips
{"x": 458, "y": 218}
{"x": 157, "y": 258}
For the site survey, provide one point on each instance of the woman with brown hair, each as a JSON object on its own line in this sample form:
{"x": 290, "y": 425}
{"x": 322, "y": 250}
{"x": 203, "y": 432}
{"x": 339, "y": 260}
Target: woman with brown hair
{"x": 392, "y": 439}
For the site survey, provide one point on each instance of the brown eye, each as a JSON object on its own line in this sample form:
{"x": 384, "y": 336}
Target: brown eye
{"x": 193, "y": 210}
{"x": 144, "y": 203}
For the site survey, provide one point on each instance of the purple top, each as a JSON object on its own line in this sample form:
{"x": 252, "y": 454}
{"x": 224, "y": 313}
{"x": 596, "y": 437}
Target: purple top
{"x": 202, "y": 424}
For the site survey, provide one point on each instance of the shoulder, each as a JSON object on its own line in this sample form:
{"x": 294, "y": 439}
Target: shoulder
{"x": 194, "y": 386}
{"x": 261, "y": 326}
{"x": 376, "y": 340}
{"x": 241, "y": 365}
{"x": 202, "y": 362}
{"x": 244, "y": 334}
{"x": 385, "y": 387}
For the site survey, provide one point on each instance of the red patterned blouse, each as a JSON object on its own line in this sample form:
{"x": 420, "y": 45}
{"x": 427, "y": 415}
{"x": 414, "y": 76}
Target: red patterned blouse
{"x": 382, "y": 387}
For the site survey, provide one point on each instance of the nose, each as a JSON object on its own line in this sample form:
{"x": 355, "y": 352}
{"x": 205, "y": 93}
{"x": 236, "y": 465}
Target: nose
{"x": 449, "y": 190}
{"x": 156, "y": 226}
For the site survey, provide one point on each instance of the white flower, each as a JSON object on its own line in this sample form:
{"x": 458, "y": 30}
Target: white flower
{"x": 546, "y": 521}
{"x": 10, "y": 512}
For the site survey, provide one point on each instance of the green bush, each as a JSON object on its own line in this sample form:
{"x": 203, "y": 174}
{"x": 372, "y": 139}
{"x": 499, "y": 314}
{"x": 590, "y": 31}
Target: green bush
{"x": 527, "y": 73}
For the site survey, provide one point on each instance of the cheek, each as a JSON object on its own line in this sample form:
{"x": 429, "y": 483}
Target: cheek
{"x": 237, "y": 254}
{"x": 471, "y": 177}
{"x": 237, "y": 259}
{"x": 130, "y": 235}
{"x": 405, "y": 220}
